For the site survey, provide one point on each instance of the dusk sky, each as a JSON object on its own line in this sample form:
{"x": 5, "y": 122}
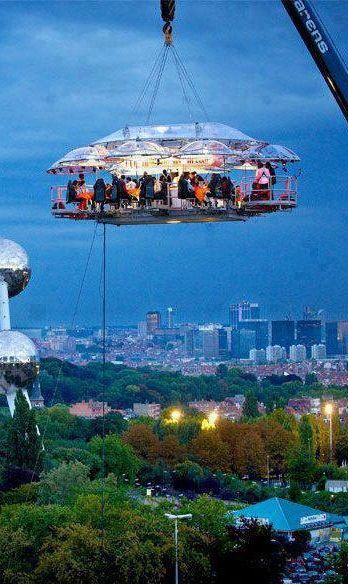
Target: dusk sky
{"x": 70, "y": 73}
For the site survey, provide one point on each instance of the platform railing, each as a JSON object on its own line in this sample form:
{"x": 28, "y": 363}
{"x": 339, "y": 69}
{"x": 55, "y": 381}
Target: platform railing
{"x": 283, "y": 192}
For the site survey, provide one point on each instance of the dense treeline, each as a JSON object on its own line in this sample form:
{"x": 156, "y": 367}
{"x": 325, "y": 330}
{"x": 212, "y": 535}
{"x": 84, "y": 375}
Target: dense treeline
{"x": 63, "y": 382}
{"x": 52, "y": 529}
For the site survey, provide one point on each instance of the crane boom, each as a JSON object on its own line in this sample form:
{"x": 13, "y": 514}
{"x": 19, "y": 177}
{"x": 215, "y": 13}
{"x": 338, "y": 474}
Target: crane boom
{"x": 316, "y": 38}
{"x": 322, "y": 48}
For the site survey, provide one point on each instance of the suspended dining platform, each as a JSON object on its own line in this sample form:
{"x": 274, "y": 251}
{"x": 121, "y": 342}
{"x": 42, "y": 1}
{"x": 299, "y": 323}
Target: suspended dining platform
{"x": 209, "y": 149}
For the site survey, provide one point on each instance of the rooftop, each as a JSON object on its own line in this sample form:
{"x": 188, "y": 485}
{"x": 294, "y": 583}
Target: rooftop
{"x": 287, "y": 516}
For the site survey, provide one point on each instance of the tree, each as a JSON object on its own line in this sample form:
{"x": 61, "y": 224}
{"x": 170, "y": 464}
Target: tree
{"x": 221, "y": 371}
{"x": 277, "y": 442}
{"x": 188, "y": 474}
{"x": 72, "y": 554}
{"x": 307, "y": 435}
{"x": 209, "y": 516}
{"x": 143, "y": 440}
{"x": 211, "y": 451}
{"x": 254, "y": 552}
{"x": 61, "y": 485}
{"x": 250, "y": 409}
{"x": 24, "y": 443}
{"x": 171, "y": 451}
{"x": 120, "y": 458}
{"x": 302, "y": 468}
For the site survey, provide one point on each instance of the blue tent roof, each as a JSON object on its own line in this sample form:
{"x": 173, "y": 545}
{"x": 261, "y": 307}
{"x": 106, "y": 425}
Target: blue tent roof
{"x": 285, "y": 515}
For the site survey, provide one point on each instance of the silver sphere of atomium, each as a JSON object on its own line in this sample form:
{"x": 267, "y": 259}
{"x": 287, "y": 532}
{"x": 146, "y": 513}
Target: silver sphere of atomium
{"x": 19, "y": 361}
{"x": 14, "y": 266}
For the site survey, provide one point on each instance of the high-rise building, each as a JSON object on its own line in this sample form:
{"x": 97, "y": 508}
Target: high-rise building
{"x": 189, "y": 342}
{"x": 223, "y": 343}
{"x": 283, "y": 333}
{"x": 331, "y": 338}
{"x": 343, "y": 336}
{"x": 210, "y": 343}
{"x": 257, "y": 356}
{"x": 309, "y": 333}
{"x": 215, "y": 342}
{"x": 142, "y": 329}
{"x": 298, "y": 353}
{"x": 153, "y": 321}
{"x": 260, "y": 328}
{"x": 318, "y": 352}
{"x": 275, "y": 353}
{"x": 242, "y": 342}
{"x": 243, "y": 311}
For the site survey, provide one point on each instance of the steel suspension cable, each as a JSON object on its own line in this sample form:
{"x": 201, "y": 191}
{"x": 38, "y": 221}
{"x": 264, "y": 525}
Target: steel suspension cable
{"x": 191, "y": 84}
{"x": 151, "y": 77}
{"x": 72, "y": 324}
{"x": 182, "y": 82}
{"x": 103, "y": 397}
{"x": 157, "y": 84}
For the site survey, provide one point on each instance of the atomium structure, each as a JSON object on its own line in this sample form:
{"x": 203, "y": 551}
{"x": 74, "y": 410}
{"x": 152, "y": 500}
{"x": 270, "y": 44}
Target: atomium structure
{"x": 19, "y": 362}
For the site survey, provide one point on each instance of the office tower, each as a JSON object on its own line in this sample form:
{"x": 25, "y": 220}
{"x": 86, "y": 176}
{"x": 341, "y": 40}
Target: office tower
{"x": 275, "y": 353}
{"x": 257, "y": 356}
{"x": 242, "y": 342}
{"x": 142, "y": 329}
{"x": 170, "y": 317}
{"x": 260, "y": 328}
{"x": 318, "y": 352}
{"x": 308, "y": 333}
{"x": 247, "y": 341}
{"x": 210, "y": 343}
{"x": 283, "y": 333}
{"x": 298, "y": 353}
{"x": 215, "y": 343}
{"x": 189, "y": 342}
{"x": 343, "y": 336}
{"x": 153, "y": 321}
{"x": 331, "y": 338}
{"x": 223, "y": 342}
{"x": 243, "y": 311}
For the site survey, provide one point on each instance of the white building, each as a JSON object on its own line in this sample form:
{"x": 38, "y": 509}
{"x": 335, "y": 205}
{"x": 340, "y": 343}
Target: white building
{"x": 298, "y": 353}
{"x": 257, "y": 356}
{"x": 275, "y": 353}
{"x": 318, "y": 352}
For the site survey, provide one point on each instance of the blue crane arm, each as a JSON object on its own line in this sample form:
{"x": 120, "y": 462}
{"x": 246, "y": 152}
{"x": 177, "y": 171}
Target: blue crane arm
{"x": 322, "y": 48}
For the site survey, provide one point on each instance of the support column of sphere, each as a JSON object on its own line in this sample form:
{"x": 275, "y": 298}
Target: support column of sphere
{"x": 19, "y": 363}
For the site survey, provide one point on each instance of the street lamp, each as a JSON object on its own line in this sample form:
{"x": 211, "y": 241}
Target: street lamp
{"x": 175, "y": 416}
{"x": 328, "y": 409}
{"x": 175, "y": 518}
{"x": 210, "y": 422}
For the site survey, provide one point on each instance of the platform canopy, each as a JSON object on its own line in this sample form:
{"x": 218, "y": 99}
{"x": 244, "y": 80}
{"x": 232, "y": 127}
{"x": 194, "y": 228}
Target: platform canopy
{"x": 84, "y": 159}
{"x": 179, "y": 134}
{"x": 270, "y": 153}
{"x": 286, "y": 516}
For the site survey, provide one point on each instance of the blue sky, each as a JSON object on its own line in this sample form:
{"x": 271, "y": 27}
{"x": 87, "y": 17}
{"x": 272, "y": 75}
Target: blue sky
{"x": 70, "y": 73}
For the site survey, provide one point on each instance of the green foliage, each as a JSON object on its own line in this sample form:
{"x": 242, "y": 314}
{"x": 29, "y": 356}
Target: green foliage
{"x": 209, "y": 516}
{"x": 24, "y": 443}
{"x": 119, "y": 457}
{"x": 254, "y": 552}
{"x": 62, "y": 485}
{"x": 250, "y": 405}
{"x": 302, "y": 468}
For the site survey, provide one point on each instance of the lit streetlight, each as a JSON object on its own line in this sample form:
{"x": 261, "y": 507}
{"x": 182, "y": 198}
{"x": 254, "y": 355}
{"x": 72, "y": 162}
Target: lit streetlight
{"x": 328, "y": 409}
{"x": 210, "y": 422}
{"x": 175, "y": 416}
{"x": 176, "y": 518}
